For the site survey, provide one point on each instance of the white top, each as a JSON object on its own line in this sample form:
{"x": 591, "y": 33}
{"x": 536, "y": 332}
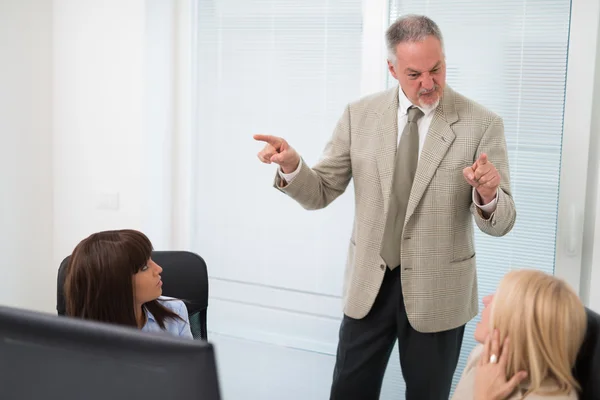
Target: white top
{"x": 175, "y": 327}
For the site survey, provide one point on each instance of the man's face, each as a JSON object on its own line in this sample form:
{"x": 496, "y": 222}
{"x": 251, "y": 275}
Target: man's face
{"x": 420, "y": 69}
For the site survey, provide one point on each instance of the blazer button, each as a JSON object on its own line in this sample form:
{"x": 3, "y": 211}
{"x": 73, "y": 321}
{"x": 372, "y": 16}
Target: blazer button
{"x": 382, "y": 266}
{"x": 494, "y": 223}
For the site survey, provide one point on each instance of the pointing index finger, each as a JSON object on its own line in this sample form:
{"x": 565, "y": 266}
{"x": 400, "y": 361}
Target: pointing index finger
{"x": 272, "y": 140}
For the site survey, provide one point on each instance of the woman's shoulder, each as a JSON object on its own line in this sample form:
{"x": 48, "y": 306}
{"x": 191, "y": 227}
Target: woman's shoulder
{"x": 464, "y": 389}
{"x": 173, "y": 304}
{"x": 176, "y": 326}
{"x": 542, "y": 396}
{"x": 535, "y": 396}
{"x": 475, "y": 356}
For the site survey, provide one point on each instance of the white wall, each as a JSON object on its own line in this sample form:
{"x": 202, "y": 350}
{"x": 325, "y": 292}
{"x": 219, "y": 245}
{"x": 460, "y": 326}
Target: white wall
{"x": 75, "y": 121}
{"x": 27, "y": 271}
{"x": 100, "y": 146}
{"x": 95, "y": 56}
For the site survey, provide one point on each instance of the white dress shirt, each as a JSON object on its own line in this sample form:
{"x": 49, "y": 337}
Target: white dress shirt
{"x": 423, "y": 124}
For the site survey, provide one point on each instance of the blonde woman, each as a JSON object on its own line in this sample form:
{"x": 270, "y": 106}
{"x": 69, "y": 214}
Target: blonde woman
{"x": 546, "y": 323}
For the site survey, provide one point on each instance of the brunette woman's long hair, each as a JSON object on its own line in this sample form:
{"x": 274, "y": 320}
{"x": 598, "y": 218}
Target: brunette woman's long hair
{"x": 99, "y": 278}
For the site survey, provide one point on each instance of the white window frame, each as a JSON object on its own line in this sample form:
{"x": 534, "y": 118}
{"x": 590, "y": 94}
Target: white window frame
{"x": 573, "y": 250}
{"x": 374, "y": 52}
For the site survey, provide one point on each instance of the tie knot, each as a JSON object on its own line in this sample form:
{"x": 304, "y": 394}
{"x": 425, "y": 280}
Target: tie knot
{"x": 414, "y": 114}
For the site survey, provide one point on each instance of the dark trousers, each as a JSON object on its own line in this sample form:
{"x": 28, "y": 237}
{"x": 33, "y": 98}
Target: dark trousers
{"x": 427, "y": 360}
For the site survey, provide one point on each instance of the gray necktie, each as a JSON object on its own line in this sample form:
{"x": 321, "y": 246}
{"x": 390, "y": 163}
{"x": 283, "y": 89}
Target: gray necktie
{"x": 407, "y": 157}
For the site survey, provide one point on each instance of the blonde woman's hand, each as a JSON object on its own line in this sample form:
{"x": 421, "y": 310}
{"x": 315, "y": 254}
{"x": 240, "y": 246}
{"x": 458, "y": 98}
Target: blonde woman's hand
{"x": 490, "y": 378}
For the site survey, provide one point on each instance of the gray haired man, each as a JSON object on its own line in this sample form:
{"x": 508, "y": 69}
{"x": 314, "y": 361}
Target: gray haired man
{"x": 426, "y": 163}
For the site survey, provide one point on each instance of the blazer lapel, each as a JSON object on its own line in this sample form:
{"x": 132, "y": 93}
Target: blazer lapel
{"x": 438, "y": 141}
{"x": 387, "y": 134}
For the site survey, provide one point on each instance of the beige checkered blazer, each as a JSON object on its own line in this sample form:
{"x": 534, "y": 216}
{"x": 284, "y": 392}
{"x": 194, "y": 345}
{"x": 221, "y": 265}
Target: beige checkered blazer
{"x": 439, "y": 280}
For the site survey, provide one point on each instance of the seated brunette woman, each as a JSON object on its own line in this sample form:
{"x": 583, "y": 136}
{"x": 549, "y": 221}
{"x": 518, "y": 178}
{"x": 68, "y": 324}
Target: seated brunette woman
{"x": 545, "y": 322}
{"x": 111, "y": 278}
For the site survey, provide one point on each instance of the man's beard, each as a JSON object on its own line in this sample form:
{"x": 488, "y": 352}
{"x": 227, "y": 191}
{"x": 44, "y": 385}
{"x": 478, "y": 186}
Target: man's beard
{"x": 429, "y": 107}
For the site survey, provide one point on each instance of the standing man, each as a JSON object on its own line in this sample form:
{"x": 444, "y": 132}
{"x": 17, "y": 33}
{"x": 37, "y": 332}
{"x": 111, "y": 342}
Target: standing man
{"x": 426, "y": 161}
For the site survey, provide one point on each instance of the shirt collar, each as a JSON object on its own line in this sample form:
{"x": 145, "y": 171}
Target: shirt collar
{"x": 149, "y": 316}
{"x": 404, "y": 104}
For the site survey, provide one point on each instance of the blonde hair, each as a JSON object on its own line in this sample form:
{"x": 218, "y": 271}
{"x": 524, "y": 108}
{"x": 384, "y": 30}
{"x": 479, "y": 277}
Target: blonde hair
{"x": 546, "y": 323}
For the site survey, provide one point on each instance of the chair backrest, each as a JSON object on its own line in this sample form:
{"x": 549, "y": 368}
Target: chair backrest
{"x": 184, "y": 277}
{"x": 587, "y": 367}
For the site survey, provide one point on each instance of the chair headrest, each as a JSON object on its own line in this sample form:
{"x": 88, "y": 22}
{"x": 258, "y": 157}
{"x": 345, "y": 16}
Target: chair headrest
{"x": 587, "y": 366}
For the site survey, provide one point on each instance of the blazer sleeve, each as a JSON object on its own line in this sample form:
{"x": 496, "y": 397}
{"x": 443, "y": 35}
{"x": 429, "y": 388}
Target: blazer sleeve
{"x": 503, "y": 219}
{"x": 315, "y": 188}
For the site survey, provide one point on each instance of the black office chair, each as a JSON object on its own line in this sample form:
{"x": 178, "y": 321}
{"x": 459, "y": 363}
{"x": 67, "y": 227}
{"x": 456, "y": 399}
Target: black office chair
{"x": 587, "y": 366}
{"x": 184, "y": 277}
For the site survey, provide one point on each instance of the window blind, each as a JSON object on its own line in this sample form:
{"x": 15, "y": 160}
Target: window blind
{"x": 286, "y": 68}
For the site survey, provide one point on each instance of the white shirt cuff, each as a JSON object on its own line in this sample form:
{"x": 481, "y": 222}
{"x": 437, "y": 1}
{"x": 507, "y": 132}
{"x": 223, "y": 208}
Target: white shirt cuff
{"x": 290, "y": 177}
{"x": 488, "y": 208}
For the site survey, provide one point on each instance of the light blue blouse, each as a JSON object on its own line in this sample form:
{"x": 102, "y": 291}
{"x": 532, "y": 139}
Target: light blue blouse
{"x": 175, "y": 327}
